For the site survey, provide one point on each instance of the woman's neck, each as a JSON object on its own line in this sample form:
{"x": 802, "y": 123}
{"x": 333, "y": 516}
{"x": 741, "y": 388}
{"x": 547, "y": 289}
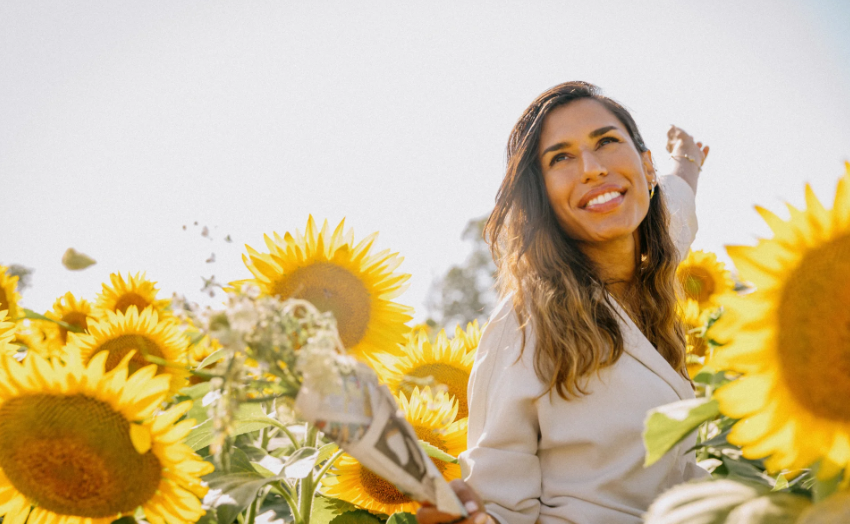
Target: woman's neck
{"x": 615, "y": 262}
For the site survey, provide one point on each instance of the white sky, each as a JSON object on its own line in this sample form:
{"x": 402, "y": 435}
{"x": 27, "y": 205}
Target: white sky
{"x": 122, "y": 121}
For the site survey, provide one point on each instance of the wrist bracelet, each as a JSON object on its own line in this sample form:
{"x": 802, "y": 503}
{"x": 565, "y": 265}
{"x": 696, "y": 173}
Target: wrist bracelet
{"x": 689, "y": 158}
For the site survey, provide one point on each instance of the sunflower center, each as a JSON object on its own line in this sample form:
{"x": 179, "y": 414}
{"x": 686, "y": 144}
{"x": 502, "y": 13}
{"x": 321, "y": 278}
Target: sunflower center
{"x": 72, "y": 455}
{"x": 74, "y": 318}
{"x": 332, "y": 288}
{"x": 4, "y": 301}
{"x": 131, "y": 299}
{"x": 120, "y": 346}
{"x": 698, "y": 284}
{"x": 385, "y": 492}
{"x": 814, "y": 330}
{"x": 455, "y": 379}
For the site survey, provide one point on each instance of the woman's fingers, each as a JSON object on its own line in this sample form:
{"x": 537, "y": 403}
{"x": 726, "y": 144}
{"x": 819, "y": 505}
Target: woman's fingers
{"x": 470, "y": 500}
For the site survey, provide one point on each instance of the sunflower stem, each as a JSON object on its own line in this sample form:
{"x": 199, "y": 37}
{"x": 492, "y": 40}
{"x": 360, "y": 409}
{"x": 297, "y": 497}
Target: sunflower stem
{"x": 318, "y": 478}
{"x": 252, "y": 511}
{"x": 284, "y": 491}
{"x": 277, "y": 424}
{"x": 164, "y": 363}
{"x": 306, "y": 484}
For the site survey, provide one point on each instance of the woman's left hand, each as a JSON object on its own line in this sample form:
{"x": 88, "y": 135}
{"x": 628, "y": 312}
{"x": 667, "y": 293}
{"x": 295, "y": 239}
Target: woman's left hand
{"x": 680, "y": 143}
{"x": 688, "y": 154}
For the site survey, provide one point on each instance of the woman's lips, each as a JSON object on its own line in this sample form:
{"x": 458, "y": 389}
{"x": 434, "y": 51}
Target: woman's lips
{"x": 605, "y": 206}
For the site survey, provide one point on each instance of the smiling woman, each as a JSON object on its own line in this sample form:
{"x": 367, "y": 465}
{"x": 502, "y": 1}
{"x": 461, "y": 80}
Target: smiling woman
{"x": 587, "y": 238}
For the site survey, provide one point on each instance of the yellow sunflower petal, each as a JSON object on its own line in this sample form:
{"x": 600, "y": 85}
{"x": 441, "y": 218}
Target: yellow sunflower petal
{"x": 71, "y": 450}
{"x": 789, "y": 338}
{"x": 327, "y": 269}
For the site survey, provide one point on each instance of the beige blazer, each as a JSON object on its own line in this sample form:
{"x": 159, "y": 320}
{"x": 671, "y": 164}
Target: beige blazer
{"x": 578, "y": 461}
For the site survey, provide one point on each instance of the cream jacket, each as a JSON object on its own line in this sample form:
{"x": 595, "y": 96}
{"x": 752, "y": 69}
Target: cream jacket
{"x": 580, "y": 461}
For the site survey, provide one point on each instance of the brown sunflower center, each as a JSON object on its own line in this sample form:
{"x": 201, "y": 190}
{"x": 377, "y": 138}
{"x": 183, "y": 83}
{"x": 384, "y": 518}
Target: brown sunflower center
{"x": 72, "y": 455}
{"x": 813, "y": 337}
{"x": 332, "y": 288}
{"x": 75, "y": 318}
{"x": 4, "y": 302}
{"x": 131, "y": 299}
{"x": 699, "y": 284}
{"x": 456, "y": 380}
{"x": 383, "y": 491}
{"x": 120, "y": 346}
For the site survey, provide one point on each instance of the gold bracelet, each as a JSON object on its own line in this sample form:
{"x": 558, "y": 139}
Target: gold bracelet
{"x": 689, "y": 158}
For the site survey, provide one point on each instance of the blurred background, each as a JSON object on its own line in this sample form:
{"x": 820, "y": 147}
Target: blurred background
{"x": 163, "y": 137}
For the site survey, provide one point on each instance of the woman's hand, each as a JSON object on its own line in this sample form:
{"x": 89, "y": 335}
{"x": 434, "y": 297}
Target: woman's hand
{"x": 470, "y": 500}
{"x": 688, "y": 154}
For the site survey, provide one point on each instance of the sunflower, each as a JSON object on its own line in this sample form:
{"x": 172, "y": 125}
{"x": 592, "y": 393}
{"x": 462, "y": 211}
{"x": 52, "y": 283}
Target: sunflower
{"x": 704, "y": 278}
{"x": 38, "y": 336}
{"x": 337, "y": 275}
{"x": 143, "y": 332}
{"x": 70, "y": 310}
{"x": 7, "y": 335}
{"x": 468, "y": 338}
{"x": 790, "y": 340}
{"x": 79, "y": 445}
{"x": 697, "y": 347}
{"x": 429, "y": 414}
{"x": 135, "y": 291}
{"x": 9, "y": 296}
{"x": 447, "y": 363}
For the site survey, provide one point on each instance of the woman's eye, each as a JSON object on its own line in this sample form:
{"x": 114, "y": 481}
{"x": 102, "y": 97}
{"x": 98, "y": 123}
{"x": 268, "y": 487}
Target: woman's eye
{"x": 558, "y": 158}
{"x": 606, "y": 140}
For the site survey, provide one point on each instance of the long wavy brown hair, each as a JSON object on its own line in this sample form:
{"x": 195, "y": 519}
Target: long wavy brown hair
{"x": 555, "y": 286}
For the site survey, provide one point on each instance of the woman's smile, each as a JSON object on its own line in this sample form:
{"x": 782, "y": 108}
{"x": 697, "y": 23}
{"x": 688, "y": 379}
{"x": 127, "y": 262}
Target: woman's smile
{"x": 603, "y": 199}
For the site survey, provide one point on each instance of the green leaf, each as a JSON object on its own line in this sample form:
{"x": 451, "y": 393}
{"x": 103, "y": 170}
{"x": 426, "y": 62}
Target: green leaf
{"x": 232, "y": 492}
{"x": 824, "y": 488}
{"x": 202, "y": 434}
{"x": 326, "y": 451}
{"x": 196, "y": 391}
{"x": 326, "y": 509}
{"x": 780, "y": 482}
{"x": 29, "y": 313}
{"x": 300, "y": 464}
{"x": 668, "y": 425}
{"x": 358, "y": 516}
{"x": 775, "y": 508}
{"x": 402, "y": 518}
{"x": 739, "y": 468}
{"x": 212, "y": 358}
{"x": 707, "y": 502}
{"x": 437, "y": 453}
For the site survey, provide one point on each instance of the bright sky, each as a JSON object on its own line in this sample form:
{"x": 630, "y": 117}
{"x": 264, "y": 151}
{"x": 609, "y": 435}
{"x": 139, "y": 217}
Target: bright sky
{"x": 120, "y": 122}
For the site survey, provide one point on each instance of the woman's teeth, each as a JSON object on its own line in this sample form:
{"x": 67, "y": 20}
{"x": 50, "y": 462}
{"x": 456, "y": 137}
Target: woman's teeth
{"x": 605, "y": 197}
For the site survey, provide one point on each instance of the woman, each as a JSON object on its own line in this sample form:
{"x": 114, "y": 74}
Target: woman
{"x": 586, "y": 340}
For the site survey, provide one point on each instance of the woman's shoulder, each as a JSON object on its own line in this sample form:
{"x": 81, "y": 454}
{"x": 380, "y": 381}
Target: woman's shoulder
{"x": 503, "y": 333}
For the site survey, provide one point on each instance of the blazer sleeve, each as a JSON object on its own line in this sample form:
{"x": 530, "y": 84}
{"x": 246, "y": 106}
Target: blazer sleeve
{"x": 501, "y": 461}
{"x": 681, "y": 204}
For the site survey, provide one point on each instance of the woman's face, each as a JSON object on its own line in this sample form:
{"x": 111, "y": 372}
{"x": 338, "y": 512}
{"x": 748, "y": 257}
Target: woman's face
{"x": 596, "y": 180}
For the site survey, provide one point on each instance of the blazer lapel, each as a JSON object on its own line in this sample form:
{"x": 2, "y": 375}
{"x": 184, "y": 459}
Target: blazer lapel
{"x": 639, "y": 347}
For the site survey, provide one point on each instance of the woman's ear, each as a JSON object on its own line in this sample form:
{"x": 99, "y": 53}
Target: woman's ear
{"x": 648, "y": 168}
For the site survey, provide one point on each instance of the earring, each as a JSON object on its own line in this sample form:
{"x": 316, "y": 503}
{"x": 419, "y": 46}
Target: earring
{"x": 652, "y": 192}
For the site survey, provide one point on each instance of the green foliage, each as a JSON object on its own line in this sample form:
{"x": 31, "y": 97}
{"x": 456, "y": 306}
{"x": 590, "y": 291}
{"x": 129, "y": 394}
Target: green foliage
{"x": 437, "y": 453}
{"x": 333, "y": 511}
{"x": 466, "y": 292}
{"x": 700, "y": 502}
{"x": 402, "y": 518}
{"x": 668, "y": 425}
{"x": 23, "y": 273}
{"x": 245, "y": 421}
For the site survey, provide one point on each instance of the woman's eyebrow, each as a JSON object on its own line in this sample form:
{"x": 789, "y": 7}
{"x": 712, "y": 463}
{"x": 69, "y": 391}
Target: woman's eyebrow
{"x": 562, "y": 145}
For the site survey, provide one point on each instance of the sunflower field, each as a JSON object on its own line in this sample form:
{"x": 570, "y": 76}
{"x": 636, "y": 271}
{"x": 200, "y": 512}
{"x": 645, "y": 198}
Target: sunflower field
{"x": 129, "y": 406}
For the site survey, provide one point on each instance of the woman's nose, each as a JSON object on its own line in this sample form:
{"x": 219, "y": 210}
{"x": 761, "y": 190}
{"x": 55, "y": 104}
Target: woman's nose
{"x": 592, "y": 167}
